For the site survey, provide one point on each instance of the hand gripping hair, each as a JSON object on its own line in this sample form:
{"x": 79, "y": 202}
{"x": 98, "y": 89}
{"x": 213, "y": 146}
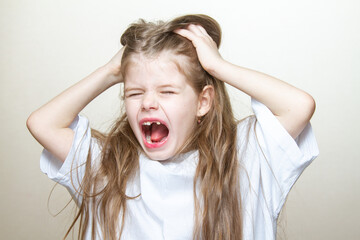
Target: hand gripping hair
{"x": 216, "y": 183}
{"x": 217, "y": 209}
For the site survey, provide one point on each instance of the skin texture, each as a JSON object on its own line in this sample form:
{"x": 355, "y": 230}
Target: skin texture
{"x": 293, "y": 107}
{"x": 50, "y": 123}
{"x": 155, "y": 90}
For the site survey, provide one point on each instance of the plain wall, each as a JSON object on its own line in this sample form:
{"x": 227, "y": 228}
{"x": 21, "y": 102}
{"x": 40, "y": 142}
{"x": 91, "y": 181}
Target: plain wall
{"x": 46, "y": 46}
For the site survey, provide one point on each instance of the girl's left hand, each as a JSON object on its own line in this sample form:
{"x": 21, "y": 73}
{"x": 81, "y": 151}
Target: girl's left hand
{"x": 205, "y": 46}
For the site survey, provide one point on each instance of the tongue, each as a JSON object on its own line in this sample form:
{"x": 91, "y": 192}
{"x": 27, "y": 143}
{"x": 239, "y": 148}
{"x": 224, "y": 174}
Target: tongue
{"x": 158, "y": 132}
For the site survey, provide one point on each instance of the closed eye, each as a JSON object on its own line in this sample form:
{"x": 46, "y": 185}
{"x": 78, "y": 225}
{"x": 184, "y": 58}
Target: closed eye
{"x": 133, "y": 95}
{"x": 167, "y": 92}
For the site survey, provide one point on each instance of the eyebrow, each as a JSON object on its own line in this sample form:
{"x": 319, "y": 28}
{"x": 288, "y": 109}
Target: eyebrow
{"x": 168, "y": 85}
{"x": 161, "y": 86}
{"x": 132, "y": 89}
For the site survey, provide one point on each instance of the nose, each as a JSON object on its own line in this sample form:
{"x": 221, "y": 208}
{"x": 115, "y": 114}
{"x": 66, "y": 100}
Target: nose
{"x": 149, "y": 102}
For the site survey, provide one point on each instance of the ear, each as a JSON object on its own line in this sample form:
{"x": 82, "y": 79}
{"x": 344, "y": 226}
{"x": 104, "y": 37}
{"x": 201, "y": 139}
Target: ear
{"x": 205, "y": 100}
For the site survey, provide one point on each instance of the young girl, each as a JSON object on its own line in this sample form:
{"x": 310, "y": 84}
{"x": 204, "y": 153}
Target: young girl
{"x": 176, "y": 164}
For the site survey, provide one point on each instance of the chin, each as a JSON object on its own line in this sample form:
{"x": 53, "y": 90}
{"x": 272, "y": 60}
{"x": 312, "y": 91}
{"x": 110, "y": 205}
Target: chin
{"x": 159, "y": 156}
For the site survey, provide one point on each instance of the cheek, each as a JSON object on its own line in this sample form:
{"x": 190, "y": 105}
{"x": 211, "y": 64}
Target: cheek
{"x": 131, "y": 107}
{"x": 183, "y": 114}
{"x": 181, "y": 106}
{"x": 131, "y": 113}
{"x": 128, "y": 110}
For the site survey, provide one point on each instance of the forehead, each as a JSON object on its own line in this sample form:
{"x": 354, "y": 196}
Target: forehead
{"x": 163, "y": 68}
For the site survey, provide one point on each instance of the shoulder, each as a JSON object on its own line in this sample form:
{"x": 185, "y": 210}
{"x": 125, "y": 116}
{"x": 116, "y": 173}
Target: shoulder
{"x": 83, "y": 143}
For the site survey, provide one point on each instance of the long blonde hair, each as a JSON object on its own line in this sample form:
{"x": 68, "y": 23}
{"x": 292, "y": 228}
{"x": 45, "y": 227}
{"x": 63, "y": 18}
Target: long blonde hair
{"x": 216, "y": 181}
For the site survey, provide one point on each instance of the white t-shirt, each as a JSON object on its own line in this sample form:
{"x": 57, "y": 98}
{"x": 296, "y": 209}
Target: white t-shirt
{"x": 269, "y": 166}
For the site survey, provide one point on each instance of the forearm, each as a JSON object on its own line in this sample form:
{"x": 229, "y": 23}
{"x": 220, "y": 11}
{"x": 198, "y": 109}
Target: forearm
{"x": 61, "y": 110}
{"x": 50, "y": 123}
{"x": 292, "y": 106}
{"x": 280, "y": 97}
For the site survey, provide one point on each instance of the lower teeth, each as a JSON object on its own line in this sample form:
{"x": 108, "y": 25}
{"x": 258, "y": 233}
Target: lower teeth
{"x": 148, "y": 139}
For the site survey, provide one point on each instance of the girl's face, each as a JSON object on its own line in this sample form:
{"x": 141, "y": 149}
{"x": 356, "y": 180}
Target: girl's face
{"x": 161, "y": 105}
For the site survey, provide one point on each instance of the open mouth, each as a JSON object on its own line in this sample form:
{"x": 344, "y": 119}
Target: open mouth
{"x": 155, "y": 133}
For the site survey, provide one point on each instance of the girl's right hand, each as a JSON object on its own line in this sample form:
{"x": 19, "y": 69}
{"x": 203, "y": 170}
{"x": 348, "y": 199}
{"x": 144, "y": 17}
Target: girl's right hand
{"x": 50, "y": 123}
{"x": 114, "y": 66}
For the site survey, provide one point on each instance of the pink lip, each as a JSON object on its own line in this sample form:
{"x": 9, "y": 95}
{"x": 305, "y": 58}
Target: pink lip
{"x": 152, "y": 145}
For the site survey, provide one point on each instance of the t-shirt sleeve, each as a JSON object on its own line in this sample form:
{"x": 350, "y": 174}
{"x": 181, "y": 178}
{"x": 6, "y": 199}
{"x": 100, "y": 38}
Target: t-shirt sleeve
{"x": 282, "y": 158}
{"x": 71, "y": 172}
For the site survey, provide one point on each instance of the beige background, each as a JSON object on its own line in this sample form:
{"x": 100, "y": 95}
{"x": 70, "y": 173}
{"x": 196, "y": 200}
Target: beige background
{"x": 47, "y": 46}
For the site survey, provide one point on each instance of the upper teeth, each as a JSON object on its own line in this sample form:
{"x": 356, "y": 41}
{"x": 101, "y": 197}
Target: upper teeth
{"x": 149, "y": 123}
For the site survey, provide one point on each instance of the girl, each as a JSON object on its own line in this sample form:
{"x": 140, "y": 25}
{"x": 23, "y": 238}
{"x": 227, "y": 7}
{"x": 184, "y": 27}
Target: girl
{"x": 176, "y": 164}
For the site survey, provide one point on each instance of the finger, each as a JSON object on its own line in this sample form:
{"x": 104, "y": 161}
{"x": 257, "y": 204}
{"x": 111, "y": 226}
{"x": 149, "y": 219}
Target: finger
{"x": 204, "y": 33}
{"x": 186, "y": 33}
{"x": 202, "y": 29}
{"x": 118, "y": 56}
{"x": 195, "y": 29}
{"x": 201, "y": 32}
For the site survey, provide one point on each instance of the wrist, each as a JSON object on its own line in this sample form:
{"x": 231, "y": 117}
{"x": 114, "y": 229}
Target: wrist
{"x": 110, "y": 74}
{"x": 217, "y": 68}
